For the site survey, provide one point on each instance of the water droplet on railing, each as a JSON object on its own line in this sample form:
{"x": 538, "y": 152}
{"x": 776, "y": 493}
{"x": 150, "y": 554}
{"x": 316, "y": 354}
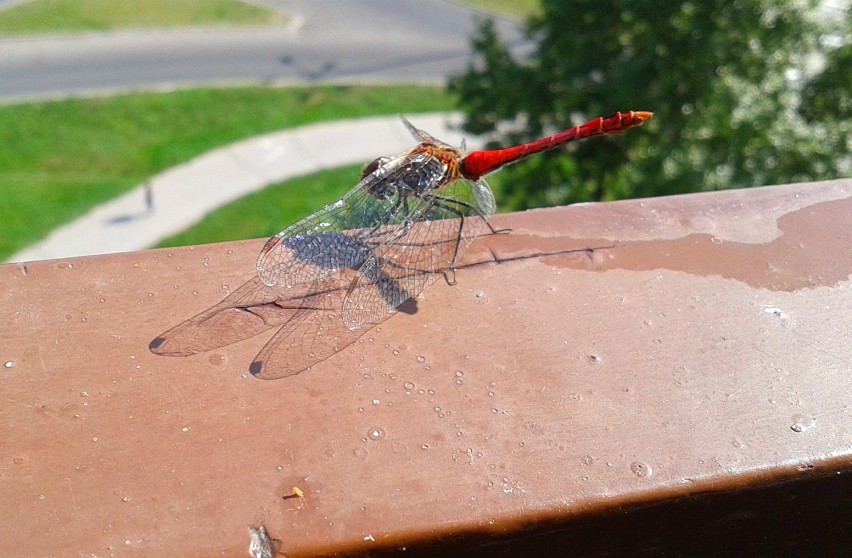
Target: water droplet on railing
{"x": 376, "y": 433}
{"x": 802, "y": 423}
{"x": 640, "y": 469}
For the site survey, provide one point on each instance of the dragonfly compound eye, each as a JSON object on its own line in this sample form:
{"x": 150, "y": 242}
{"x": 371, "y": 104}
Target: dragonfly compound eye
{"x": 373, "y": 166}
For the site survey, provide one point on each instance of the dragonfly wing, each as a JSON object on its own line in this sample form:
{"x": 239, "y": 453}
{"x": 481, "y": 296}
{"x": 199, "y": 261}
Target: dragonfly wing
{"x": 245, "y": 312}
{"x": 484, "y": 197}
{"x": 403, "y": 266}
{"x": 333, "y": 238}
{"x": 313, "y": 333}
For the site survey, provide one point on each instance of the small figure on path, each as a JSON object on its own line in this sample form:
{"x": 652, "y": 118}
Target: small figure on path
{"x": 149, "y": 197}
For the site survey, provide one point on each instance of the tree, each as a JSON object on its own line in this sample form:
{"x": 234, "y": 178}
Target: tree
{"x": 737, "y": 101}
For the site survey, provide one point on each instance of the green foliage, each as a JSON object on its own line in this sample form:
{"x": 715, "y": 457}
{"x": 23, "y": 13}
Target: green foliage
{"x": 735, "y": 98}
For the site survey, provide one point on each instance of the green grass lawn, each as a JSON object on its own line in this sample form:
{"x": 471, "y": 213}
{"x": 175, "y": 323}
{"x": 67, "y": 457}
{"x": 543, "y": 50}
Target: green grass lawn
{"x": 511, "y": 8}
{"x": 62, "y": 158}
{"x": 53, "y": 16}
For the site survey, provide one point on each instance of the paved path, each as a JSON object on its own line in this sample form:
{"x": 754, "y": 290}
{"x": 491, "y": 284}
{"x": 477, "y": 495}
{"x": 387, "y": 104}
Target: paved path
{"x": 183, "y": 195}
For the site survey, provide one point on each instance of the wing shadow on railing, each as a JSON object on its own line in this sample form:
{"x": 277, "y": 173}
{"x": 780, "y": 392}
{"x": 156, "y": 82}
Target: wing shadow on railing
{"x": 308, "y": 316}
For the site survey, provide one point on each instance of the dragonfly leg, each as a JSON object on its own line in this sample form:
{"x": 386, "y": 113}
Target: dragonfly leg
{"x": 471, "y": 207}
{"x": 443, "y": 203}
{"x": 452, "y": 205}
{"x": 450, "y": 281}
{"x": 407, "y": 222}
{"x": 388, "y": 217}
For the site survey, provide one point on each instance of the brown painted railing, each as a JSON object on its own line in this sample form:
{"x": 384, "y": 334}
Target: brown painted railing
{"x": 652, "y": 377}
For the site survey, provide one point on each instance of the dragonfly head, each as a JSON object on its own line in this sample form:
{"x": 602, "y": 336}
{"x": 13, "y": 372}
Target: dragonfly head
{"x": 373, "y": 166}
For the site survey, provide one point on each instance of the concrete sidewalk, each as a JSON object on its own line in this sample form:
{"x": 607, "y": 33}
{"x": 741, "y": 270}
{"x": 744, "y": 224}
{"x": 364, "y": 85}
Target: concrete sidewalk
{"x": 183, "y": 195}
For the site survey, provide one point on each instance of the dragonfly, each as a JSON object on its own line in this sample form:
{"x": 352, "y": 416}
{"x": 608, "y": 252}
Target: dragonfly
{"x": 406, "y": 222}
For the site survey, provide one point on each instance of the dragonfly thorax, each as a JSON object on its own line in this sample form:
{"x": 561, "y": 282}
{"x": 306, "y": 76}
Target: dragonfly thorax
{"x": 421, "y": 177}
{"x": 415, "y": 174}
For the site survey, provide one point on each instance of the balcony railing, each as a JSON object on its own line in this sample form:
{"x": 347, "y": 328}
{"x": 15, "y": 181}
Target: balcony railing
{"x": 664, "y": 376}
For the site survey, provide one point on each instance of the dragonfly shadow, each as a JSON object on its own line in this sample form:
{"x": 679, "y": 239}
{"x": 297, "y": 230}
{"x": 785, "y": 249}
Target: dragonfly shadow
{"x": 382, "y": 282}
{"x": 408, "y": 307}
{"x": 307, "y": 316}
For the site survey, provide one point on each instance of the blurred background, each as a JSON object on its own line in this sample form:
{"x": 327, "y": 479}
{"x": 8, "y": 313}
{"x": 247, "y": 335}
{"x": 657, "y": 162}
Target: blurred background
{"x": 98, "y": 97}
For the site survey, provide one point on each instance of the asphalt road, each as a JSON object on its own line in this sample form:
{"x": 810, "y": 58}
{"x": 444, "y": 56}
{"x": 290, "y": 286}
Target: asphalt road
{"x": 325, "y": 41}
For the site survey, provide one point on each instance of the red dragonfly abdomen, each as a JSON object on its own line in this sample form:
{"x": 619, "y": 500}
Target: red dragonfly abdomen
{"x": 479, "y": 163}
